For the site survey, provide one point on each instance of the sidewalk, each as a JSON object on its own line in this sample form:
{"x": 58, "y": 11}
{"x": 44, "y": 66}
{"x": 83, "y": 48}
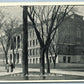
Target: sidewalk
{"x": 56, "y": 71}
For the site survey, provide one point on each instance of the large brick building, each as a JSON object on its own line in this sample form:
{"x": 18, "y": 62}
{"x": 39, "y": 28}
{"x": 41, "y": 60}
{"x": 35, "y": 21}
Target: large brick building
{"x": 70, "y": 42}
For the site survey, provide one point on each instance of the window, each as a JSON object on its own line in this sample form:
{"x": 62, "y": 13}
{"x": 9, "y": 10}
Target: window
{"x": 30, "y": 43}
{"x": 14, "y": 39}
{"x": 17, "y": 57}
{"x": 33, "y": 51}
{"x": 69, "y": 59}
{"x": 18, "y": 42}
{"x": 30, "y": 52}
{"x": 33, "y": 61}
{"x": 33, "y": 42}
{"x": 36, "y": 42}
{"x": 64, "y": 59}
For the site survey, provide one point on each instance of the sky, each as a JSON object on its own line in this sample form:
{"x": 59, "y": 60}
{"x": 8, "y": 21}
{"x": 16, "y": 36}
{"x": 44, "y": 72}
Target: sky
{"x": 13, "y": 11}
{"x": 16, "y": 11}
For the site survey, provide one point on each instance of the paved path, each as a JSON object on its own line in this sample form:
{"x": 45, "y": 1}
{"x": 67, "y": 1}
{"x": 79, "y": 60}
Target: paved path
{"x": 56, "y": 71}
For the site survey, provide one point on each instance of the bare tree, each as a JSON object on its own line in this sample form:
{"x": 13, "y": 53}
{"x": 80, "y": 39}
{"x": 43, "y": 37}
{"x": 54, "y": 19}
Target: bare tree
{"x": 49, "y": 18}
{"x": 8, "y": 32}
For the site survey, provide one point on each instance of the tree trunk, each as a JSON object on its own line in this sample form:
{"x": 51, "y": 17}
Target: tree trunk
{"x": 42, "y": 57}
{"x": 6, "y": 57}
{"x": 48, "y": 64}
{"x": 25, "y": 44}
{"x": 6, "y": 60}
{"x": 14, "y": 57}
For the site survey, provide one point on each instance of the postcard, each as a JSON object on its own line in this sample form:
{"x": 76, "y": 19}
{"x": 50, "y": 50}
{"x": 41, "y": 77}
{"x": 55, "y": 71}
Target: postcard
{"x": 42, "y": 42}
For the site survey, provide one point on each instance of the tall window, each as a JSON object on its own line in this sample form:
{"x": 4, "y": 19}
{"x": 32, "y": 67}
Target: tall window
{"x": 33, "y": 52}
{"x": 17, "y": 57}
{"x": 18, "y": 42}
{"x": 33, "y": 42}
{"x": 14, "y": 39}
{"x": 36, "y": 42}
{"x": 30, "y": 52}
{"x": 30, "y": 43}
{"x": 64, "y": 59}
{"x": 69, "y": 59}
{"x": 33, "y": 60}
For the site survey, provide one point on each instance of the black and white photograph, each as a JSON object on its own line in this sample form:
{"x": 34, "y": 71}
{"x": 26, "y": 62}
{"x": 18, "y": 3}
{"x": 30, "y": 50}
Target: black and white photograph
{"x": 41, "y": 42}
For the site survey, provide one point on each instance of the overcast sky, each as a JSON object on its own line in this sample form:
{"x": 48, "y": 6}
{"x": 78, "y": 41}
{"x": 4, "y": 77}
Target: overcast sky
{"x": 16, "y": 11}
{"x": 13, "y": 11}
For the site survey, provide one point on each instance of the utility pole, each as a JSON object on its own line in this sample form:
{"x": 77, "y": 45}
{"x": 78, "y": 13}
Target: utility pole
{"x": 25, "y": 44}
